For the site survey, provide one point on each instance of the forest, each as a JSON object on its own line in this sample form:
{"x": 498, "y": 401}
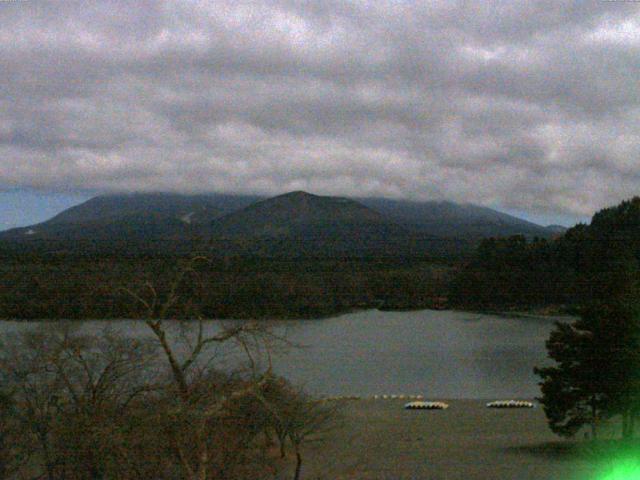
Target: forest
{"x": 38, "y": 286}
{"x": 501, "y": 274}
{"x": 588, "y": 263}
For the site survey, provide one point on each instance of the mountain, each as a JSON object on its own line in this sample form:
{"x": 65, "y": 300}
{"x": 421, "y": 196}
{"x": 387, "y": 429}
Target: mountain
{"x": 300, "y": 213}
{"x": 299, "y": 223}
{"x": 556, "y": 229}
{"x": 296, "y": 223}
{"x": 448, "y": 219}
{"x": 187, "y": 208}
{"x": 136, "y": 217}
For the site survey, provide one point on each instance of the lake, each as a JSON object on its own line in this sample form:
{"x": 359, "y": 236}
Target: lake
{"x": 439, "y": 354}
{"x": 434, "y": 353}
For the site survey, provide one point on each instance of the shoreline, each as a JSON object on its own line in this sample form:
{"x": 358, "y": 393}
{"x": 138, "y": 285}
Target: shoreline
{"x": 517, "y": 314}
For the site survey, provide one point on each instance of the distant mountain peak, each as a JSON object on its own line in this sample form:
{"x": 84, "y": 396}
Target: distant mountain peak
{"x": 299, "y": 196}
{"x": 296, "y": 212}
{"x": 297, "y": 193}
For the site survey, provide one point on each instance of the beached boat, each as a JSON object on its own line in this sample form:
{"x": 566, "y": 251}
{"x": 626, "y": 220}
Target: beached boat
{"x": 426, "y": 406}
{"x": 510, "y": 404}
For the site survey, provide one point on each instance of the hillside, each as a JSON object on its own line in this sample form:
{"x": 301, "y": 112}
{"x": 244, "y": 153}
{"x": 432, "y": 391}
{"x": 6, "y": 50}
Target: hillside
{"x": 300, "y": 213}
{"x": 349, "y": 254}
{"x": 299, "y": 223}
{"x": 139, "y": 221}
{"x": 188, "y": 208}
{"x": 296, "y": 223}
{"x": 448, "y": 219}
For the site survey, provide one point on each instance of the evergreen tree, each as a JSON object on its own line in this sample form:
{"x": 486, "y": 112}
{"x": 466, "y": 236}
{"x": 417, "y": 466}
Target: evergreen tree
{"x": 597, "y": 372}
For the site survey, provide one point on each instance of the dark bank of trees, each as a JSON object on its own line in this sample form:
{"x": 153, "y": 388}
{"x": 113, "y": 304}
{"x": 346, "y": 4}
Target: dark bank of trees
{"x": 516, "y": 273}
{"x": 38, "y": 286}
{"x": 587, "y": 263}
{"x": 596, "y": 374}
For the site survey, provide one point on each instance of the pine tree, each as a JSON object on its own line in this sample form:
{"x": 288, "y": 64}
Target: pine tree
{"x": 597, "y": 372}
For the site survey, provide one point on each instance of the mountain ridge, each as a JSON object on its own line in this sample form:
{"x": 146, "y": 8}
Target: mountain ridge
{"x": 297, "y": 222}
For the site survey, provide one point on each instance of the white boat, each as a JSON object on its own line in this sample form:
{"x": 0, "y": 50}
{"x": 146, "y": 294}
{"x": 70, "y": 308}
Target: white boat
{"x": 426, "y": 406}
{"x": 510, "y": 404}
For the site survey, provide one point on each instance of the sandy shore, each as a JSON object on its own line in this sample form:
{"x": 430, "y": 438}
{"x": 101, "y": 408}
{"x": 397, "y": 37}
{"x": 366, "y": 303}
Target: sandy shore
{"x": 378, "y": 439}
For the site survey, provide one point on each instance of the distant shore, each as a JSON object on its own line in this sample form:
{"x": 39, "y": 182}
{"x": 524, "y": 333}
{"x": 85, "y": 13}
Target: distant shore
{"x": 524, "y": 314}
{"x": 556, "y": 311}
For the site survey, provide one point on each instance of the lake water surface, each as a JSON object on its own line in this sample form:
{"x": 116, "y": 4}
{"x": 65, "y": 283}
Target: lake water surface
{"x": 439, "y": 354}
{"x": 435, "y": 353}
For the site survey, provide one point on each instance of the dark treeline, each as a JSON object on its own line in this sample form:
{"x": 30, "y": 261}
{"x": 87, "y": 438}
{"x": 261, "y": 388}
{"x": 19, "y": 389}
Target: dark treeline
{"x": 596, "y": 375}
{"x": 587, "y": 263}
{"x": 516, "y": 273}
{"x": 74, "y": 286}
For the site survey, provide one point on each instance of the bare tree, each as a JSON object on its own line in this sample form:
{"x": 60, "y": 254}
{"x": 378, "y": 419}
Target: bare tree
{"x": 36, "y": 389}
{"x": 200, "y": 403}
{"x": 71, "y": 393}
{"x": 296, "y": 417}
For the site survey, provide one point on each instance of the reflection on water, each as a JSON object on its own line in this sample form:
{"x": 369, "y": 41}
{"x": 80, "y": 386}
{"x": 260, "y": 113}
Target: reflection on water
{"x": 435, "y": 353}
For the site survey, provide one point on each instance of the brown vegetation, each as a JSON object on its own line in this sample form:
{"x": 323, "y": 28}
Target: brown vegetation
{"x": 38, "y": 286}
{"x": 77, "y": 406}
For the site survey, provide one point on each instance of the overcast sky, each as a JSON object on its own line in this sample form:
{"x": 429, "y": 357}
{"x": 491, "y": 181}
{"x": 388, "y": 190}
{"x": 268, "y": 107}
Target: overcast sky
{"x": 530, "y": 107}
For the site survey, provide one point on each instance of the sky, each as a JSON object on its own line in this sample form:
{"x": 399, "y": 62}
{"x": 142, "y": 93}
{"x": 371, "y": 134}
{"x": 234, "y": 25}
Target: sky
{"x": 530, "y": 107}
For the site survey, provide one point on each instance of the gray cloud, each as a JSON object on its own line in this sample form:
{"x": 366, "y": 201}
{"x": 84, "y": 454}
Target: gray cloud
{"x": 529, "y": 106}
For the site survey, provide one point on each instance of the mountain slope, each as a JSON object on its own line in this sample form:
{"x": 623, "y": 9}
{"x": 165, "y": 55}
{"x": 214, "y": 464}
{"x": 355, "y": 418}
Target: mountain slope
{"x": 136, "y": 217}
{"x": 187, "y": 208}
{"x": 556, "y": 229}
{"x": 296, "y": 223}
{"x": 299, "y": 213}
{"x": 299, "y": 223}
{"x": 448, "y": 219}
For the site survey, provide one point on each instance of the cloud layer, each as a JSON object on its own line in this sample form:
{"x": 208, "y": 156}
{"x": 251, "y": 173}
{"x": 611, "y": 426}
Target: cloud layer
{"x": 530, "y": 106}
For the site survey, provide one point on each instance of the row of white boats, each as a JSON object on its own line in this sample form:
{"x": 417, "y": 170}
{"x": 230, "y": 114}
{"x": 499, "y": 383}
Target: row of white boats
{"x": 442, "y": 406}
{"x": 419, "y": 403}
{"x": 375, "y": 397}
